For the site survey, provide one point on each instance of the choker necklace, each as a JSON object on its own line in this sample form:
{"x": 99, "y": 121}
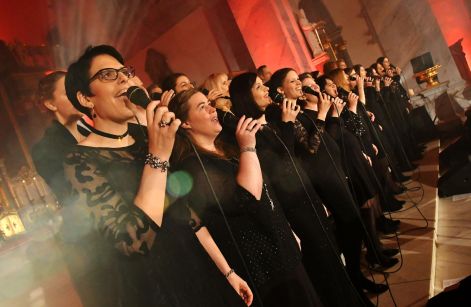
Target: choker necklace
{"x": 108, "y": 135}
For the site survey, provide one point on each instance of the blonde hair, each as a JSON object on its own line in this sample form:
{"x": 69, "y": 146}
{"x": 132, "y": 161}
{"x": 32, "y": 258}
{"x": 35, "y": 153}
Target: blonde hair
{"x": 338, "y": 77}
{"x": 212, "y": 83}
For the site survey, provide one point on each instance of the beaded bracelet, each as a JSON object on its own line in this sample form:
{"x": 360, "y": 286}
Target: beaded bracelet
{"x": 229, "y": 273}
{"x": 156, "y": 163}
{"x": 248, "y": 149}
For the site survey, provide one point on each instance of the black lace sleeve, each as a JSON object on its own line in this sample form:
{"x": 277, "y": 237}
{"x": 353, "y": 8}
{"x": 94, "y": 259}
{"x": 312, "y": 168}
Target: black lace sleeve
{"x": 118, "y": 221}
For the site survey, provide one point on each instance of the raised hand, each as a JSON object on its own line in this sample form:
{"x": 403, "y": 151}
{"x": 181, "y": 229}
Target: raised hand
{"x": 352, "y": 101}
{"x": 289, "y": 111}
{"x": 371, "y": 116}
{"x": 338, "y": 105}
{"x": 323, "y": 105}
{"x": 367, "y": 158}
{"x": 161, "y": 127}
{"x": 166, "y": 97}
{"x": 360, "y": 82}
{"x": 214, "y": 94}
{"x": 245, "y": 132}
{"x": 369, "y": 82}
{"x": 387, "y": 81}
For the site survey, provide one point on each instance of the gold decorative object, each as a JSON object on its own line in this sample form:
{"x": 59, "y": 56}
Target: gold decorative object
{"x": 10, "y": 224}
{"x": 430, "y": 75}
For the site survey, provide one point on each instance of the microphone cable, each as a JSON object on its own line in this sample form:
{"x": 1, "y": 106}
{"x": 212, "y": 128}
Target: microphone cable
{"x": 388, "y": 158}
{"x": 331, "y": 244}
{"x": 355, "y": 209}
{"x": 226, "y": 221}
{"x": 311, "y": 202}
{"x": 359, "y": 215}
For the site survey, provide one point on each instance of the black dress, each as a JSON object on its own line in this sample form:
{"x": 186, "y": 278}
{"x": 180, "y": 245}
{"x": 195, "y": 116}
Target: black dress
{"x": 261, "y": 232}
{"x": 48, "y": 157}
{"x": 148, "y": 265}
{"x": 360, "y": 174}
{"x": 306, "y": 216}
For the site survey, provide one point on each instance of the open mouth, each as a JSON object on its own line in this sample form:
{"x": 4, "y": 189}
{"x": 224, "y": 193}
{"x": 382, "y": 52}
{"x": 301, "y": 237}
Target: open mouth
{"x": 122, "y": 93}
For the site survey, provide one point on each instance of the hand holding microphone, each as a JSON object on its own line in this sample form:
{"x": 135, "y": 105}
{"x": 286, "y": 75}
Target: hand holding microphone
{"x": 161, "y": 123}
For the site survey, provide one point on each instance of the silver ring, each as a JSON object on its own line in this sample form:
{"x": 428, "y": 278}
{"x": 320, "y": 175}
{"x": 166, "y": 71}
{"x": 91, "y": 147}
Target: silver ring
{"x": 163, "y": 124}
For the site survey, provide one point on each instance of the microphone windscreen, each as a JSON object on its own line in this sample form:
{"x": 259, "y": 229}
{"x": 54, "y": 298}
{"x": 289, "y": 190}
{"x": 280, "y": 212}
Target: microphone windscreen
{"x": 309, "y": 90}
{"x": 138, "y": 96}
{"x": 155, "y": 96}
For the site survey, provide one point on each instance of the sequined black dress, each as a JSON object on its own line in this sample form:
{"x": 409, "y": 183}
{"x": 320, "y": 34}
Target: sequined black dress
{"x": 259, "y": 228}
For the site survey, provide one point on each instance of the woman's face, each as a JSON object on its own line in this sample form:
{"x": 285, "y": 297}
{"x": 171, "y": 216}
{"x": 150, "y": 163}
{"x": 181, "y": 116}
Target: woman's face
{"x": 352, "y": 83}
{"x": 309, "y": 82}
{"x": 362, "y": 72}
{"x": 183, "y": 84}
{"x": 202, "y": 117}
{"x": 390, "y": 72}
{"x": 380, "y": 69}
{"x": 292, "y": 87}
{"x": 386, "y": 63}
{"x": 109, "y": 98}
{"x": 222, "y": 84}
{"x": 260, "y": 94}
{"x": 330, "y": 88}
{"x": 62, "y": 103}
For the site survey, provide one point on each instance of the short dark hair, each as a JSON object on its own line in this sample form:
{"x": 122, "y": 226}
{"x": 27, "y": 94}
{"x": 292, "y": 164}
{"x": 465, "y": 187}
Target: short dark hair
{"x": 78, "y": 74}
{"x": 260, "y": 70}
{"x": 242, "y": 99}
{"x": 170, "y": 81}
{"x": 321, "y": 81}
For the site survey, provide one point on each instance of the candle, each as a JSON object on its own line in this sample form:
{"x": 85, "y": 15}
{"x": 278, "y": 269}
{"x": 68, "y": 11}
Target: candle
{"x": 36, "y": 184}
{"x": 30, "y": 198}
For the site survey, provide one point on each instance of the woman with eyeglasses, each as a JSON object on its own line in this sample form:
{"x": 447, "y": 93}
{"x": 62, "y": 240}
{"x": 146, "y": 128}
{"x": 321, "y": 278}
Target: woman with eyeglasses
{"x": 120, "y": 213}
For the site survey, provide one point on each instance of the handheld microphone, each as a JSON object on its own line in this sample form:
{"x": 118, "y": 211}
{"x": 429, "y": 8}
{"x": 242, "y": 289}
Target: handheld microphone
{"x": 155, "y": 96}
{"x": 309, "y": 90}
{"x": 138, "y": 96}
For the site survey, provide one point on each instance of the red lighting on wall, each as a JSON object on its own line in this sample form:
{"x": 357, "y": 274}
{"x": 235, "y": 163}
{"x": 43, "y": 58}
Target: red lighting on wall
{"x": 454, "y": 19}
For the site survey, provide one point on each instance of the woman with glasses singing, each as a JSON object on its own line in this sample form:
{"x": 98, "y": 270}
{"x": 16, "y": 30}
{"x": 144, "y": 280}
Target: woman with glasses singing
{"x": 117, "y": 210}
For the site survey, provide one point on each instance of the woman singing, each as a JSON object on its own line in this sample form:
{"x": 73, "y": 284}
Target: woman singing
{"x": 117, "y": 211}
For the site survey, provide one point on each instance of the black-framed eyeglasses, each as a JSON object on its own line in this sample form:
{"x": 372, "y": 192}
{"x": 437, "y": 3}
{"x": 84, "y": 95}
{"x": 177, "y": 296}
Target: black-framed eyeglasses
{"x": 111, "y": 74}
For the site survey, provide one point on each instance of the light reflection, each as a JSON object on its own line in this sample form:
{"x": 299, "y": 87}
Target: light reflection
{"x": 179, "y": 183}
